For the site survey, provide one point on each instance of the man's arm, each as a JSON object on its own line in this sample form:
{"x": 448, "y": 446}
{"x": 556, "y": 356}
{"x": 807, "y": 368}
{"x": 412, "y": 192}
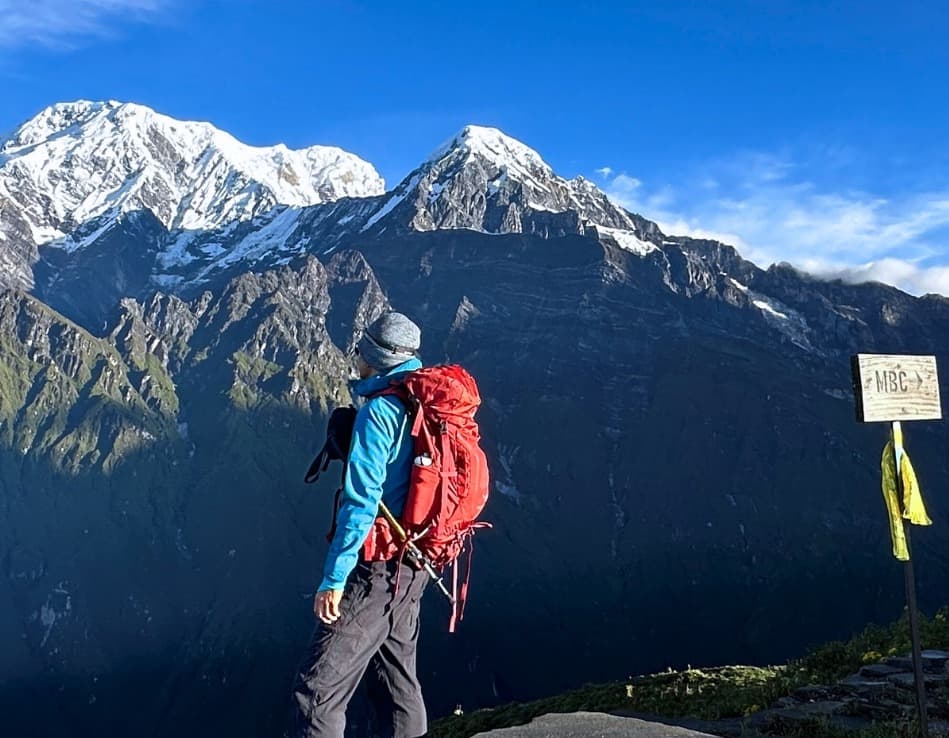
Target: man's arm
{"x": 374, "y": 435}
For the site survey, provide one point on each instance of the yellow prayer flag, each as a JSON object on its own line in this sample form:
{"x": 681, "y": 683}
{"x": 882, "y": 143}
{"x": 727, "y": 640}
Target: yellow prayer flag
{"x": 913, "y": 508}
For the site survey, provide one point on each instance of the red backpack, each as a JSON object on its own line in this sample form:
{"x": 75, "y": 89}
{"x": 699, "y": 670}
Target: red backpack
{"x": 448, "y": 488}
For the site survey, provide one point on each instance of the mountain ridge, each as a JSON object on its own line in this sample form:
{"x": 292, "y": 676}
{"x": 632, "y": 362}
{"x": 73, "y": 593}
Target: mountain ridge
{"x": 479, "y": 179}
{"x": 74, "y": 169}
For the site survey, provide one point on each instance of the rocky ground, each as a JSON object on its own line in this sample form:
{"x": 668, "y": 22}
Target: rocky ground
{"x": 880, "y": 697}
{"x": 878, "y": 700}
{"x": 880, "y": 692}
{"x": 863, "y": 688}
{"x": 590, "y": 725}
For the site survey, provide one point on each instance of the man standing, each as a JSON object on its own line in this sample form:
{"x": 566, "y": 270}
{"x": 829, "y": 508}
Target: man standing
{"x": 368, "y": 612}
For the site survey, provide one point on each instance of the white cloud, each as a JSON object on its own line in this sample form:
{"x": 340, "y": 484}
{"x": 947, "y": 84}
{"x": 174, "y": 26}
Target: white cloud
{"x": 766, "y": 206}
{"x": 907, "y": 276}
{"x": 605, "y": 171}
{"x": 62, "y": 24}
{"x": 625, "y": 184}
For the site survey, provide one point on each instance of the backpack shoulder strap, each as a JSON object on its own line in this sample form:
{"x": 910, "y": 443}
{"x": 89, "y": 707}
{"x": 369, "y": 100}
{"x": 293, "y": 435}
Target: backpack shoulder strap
{"x": 401, "y": 392}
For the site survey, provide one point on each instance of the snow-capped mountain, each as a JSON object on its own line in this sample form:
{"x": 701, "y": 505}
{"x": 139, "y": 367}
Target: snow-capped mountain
{"x": 486, "y": 181}
{"x": 101, "y": 201}
{"x": 480, "y": 180}
{"x": 69, "y": 173}
{"x": 82, "y": 175}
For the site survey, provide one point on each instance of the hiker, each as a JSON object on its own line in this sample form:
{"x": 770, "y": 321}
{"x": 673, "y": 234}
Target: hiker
{"x": 368, "y": 610}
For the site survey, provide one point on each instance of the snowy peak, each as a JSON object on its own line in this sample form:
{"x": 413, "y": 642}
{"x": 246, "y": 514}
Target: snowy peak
{"x": 484, "y": 180}
{"x": 75, "y": 162}
{"x": 86, "y": 178}
{"x": 51, "y": 121}
{"x": 493, "y": 146}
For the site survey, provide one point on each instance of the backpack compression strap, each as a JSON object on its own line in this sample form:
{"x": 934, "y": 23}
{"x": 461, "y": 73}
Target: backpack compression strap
{"x": 460, "y": 595}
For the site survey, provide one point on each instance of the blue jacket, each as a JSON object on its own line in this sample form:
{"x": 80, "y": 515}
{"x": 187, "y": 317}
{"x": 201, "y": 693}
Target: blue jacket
{"x": 379, "y": 466}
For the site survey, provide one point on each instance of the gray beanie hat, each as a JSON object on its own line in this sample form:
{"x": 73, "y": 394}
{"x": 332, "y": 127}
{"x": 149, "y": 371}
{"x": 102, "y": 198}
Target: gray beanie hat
{"x": 390, "y": 340}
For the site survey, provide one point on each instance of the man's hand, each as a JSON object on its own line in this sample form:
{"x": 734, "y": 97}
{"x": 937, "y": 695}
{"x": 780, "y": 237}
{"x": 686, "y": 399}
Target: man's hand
{"x": 326, "y": 605}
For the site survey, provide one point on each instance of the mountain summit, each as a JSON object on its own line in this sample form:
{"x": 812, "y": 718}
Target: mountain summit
{"x": 484, "y": 180}
{"x": 76, "y": 163}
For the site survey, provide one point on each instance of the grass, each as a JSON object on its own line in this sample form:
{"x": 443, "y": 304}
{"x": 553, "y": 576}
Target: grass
{"x": 836, "y": 660}
{"x": 75, "y": 397}
{"x": 725, "y": 692}
{"x": 162, "y": 394}
{"x": 249, "y": 372}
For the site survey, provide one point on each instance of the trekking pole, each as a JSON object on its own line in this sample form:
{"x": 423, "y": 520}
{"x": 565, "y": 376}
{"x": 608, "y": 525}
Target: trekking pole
{"x": 414, "y": 552}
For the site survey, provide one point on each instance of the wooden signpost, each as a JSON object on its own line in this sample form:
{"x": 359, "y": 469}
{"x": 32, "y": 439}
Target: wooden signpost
{"x": 893, "y": 388}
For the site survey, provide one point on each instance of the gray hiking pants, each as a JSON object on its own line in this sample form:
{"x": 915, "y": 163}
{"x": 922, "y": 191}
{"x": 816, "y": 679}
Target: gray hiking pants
{"x": 377, "y": 629}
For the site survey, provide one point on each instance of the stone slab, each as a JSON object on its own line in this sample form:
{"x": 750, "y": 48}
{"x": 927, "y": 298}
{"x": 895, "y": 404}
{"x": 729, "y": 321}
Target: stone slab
{"x": 908, "y": 681}
{"x": 811, "y": 710}
{"x": 591, "y": 725}
{"x": 772, "y": 722}
{"x": 813, "y": 693}
{"x": 879, "y": 670}
{"x": 862, "y": 684}
{"x": 935, "y": 660}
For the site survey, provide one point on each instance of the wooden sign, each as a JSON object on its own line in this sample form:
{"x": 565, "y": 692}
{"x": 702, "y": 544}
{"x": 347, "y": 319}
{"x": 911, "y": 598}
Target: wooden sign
{"x": 891, "y": 387}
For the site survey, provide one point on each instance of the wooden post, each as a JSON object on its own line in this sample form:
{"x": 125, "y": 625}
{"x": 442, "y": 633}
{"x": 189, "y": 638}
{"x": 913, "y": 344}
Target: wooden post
{"x": 910, "y": 581}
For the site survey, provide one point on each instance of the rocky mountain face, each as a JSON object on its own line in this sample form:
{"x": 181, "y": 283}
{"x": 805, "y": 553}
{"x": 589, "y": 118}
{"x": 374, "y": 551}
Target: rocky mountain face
{"x": 102, "y": 201}
{"x": 485, "y": 181}
{"x": 69, "y": 175}
{"x": 677, "y": 473}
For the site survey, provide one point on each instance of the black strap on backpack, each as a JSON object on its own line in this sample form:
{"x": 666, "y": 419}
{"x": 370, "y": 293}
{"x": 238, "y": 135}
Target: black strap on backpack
{"x": 339, "y": 436}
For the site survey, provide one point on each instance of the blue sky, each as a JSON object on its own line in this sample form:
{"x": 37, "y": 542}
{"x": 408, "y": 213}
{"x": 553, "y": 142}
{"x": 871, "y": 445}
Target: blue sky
{"x": 811, "y": 132}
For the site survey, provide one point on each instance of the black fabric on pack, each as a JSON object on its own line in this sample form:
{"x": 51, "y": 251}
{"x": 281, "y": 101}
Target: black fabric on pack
{"x": 339, "y": 436}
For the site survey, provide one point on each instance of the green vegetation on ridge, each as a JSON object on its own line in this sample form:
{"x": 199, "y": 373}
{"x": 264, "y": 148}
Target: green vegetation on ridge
{"x": 724, "y": 692}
